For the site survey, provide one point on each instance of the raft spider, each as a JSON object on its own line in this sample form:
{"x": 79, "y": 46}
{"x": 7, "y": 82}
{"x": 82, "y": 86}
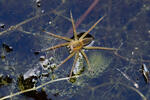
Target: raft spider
{"x": 77, "y": 44}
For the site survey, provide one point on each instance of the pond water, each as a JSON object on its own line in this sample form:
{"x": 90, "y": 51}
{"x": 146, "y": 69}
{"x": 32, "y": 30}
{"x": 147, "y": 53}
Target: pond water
{"x": 115, "y": 74}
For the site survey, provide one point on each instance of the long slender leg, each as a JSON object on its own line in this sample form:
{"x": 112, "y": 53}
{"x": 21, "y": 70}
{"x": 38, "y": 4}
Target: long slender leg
{"x": 58, "y": 36}
{"x": 80, "y": 20}
{"x": 86, "y": 59}
{"x": 74, "y": 63}
{"x": 54, "y": 47}
{"x": 74, "y": 28}
{"x": 71, "y": 55}
{"x": 101, "y": 48}
{"x": 91, "y": 28}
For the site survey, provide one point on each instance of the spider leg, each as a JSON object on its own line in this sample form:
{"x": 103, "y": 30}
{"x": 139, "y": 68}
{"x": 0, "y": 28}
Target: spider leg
{"x": 91, "y": 28}
{"x": 58, "y": 36}
{"x": 101, "y": 48}
{"x": 74, "y": 63}
{"x": 71, "y": 55}
{"x": 54, "y": 47}
{"x": 73, "y": 25}
{"x": 86, "y": 59}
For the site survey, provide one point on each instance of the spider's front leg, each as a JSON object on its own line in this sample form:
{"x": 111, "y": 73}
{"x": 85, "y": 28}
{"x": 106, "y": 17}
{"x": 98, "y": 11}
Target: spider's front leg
{"x": 52, "y": 48}
{"x": 58, "y": 36}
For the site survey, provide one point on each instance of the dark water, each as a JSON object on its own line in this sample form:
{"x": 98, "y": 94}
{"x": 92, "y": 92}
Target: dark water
{"x": 125, "y": 27}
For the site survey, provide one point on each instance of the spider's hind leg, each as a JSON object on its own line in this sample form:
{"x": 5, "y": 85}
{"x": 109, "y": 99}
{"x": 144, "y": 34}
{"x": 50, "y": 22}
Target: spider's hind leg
{"x": 70, "y": 56}
{"x": 74, "y": 63}
{"x": 86, "y": 59}
{"x": 99, "y": 48}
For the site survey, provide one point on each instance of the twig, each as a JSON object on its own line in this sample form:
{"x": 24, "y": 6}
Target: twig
{"x": 38, "y": 87}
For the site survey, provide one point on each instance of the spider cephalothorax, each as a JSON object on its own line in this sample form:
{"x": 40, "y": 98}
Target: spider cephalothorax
{"x": 77, "y": 44}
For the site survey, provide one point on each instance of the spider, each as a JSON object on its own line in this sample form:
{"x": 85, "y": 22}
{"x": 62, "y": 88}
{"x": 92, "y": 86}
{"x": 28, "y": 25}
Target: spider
{"x": 76, "y": 44}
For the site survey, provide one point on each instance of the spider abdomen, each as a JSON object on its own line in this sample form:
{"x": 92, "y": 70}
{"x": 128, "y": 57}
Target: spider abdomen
{"x": 75, "y": 45}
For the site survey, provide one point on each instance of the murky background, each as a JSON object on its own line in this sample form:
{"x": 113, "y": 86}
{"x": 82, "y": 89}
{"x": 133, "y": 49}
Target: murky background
{"x": 126, "y": 27}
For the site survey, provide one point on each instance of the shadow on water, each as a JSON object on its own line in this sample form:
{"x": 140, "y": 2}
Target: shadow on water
{"x": 125, "y": 27}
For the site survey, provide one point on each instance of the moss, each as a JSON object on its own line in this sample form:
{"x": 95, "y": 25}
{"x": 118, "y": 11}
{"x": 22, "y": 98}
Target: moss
{"x": 98, "y": 63}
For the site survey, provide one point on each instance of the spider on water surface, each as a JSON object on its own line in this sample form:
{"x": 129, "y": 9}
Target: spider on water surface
{"x": 77, "y": 44}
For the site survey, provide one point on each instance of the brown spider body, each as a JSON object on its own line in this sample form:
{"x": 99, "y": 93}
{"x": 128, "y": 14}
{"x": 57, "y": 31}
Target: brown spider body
{"x": 76, "y": 44}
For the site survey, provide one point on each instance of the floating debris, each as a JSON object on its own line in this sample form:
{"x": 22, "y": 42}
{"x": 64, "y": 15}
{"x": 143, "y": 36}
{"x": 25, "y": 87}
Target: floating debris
{"x": 38, "y": 3}
{"x": 34, "y": 72}
{"x": 5, "y": 80}
{"x": 3, "y": 55}
{"x": 36, "y": 52}
{"x": 42, "y": 58}
{"x": 42, "y": 69}
{"x": 2, "y": 25}
{"x": 128, "y": 78}
{"x": 26, "y": 83}
{"x": 145, "y": 73}
{"x": 7, "y": 47}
